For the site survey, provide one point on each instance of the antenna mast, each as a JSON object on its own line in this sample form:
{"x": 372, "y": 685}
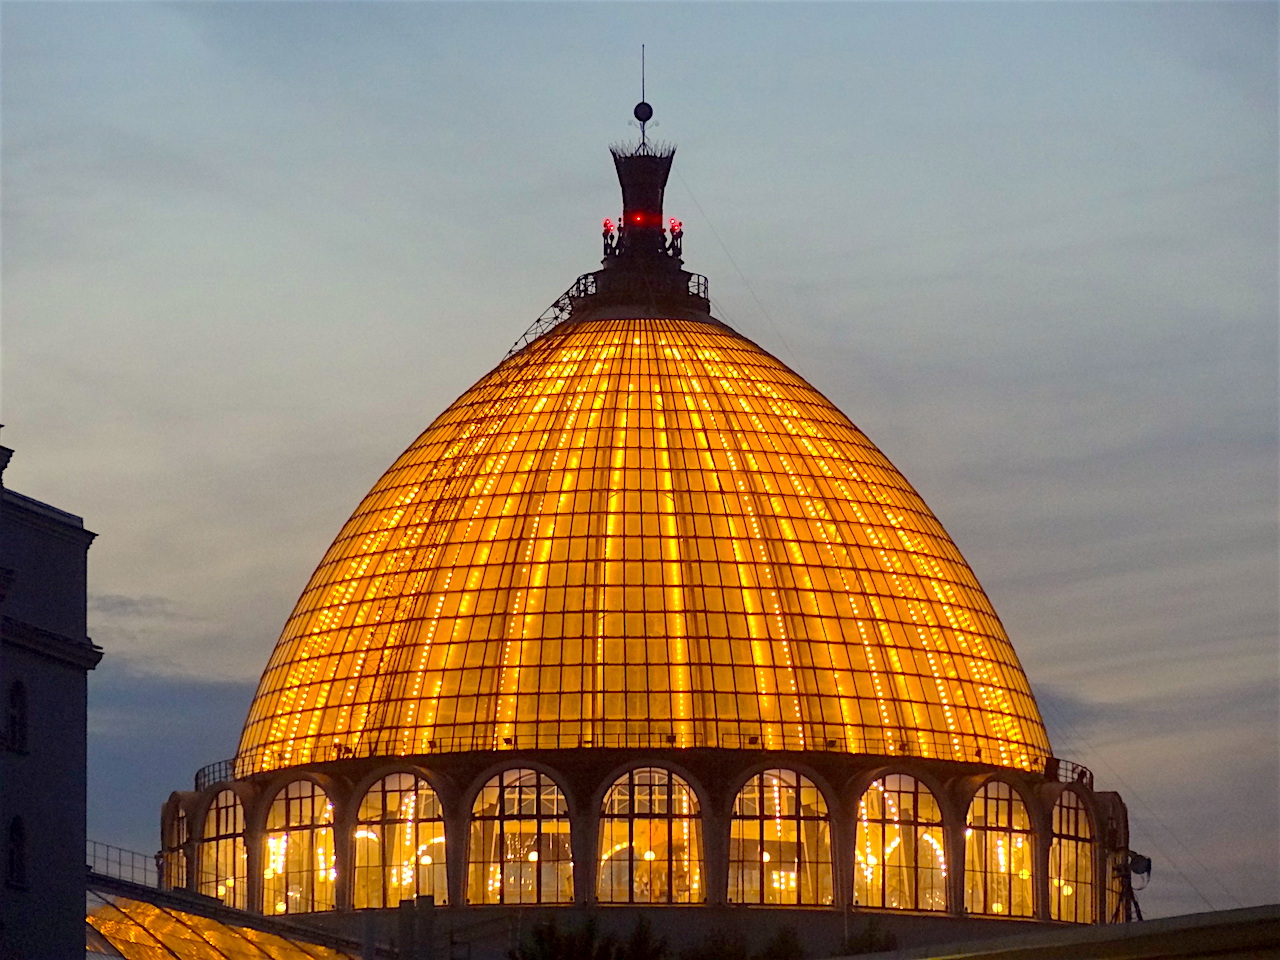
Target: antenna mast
{"x": 642, "y": 100}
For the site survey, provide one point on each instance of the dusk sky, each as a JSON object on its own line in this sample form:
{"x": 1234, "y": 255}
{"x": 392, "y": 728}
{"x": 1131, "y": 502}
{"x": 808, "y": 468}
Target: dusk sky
{"x": 251, "y": 250}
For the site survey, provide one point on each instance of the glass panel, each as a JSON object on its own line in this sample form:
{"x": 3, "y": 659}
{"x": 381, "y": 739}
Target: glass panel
{"x": 780, "y": 842}
{"x": 399, "y": 843}
{"x": 998, "y": 854}
{"x": 1071, "y": 883}
{"x": 223, "y": 857}
{"x": 299, "y": 873}
{"x": 643, "y": 533}
{"x": 520, "y": 850}
{"x": 650, "y": 840}
{"x": 900, "y": 853}
{"x": 138, "y": 930}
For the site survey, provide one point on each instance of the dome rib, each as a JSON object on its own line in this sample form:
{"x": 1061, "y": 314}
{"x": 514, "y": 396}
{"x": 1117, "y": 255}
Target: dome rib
{"x": 643, "y": 533}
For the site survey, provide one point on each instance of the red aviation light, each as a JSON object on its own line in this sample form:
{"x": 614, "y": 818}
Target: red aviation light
{"x": 645, "y": 218}
{"x": 608, "y": 225}
{"x": 676, "y": 225}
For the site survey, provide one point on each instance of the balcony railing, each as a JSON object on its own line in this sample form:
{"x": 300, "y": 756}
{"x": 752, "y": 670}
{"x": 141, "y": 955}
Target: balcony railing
{"x": 109, "y": 861}
{"x": 920, "y": 746}
{"x": 1067, "y": 771}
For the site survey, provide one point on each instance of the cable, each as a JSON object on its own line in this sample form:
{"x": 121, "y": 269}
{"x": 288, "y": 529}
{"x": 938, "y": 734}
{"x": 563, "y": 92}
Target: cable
{"x": 747, "y": 283}
{"x": 1131, "y": 792}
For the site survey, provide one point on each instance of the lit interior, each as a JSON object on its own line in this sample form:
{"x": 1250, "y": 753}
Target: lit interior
{"x": 223, "y": 857}
{"x": 1071, "y": 880}
{"x": 299, "y": 873}
{"x": 780, "y": 842}
{"x": 900, "y": 849}
{"x": 650, "y": 840}
{"x": 520, "y": 850}
{"x": 651, "y": 846}
{"x": 399, "y": 844}
{"x": 642, "y": 533}
{"x": 999, "y": 853}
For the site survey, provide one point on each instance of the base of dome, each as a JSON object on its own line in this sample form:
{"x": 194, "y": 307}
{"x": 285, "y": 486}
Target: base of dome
{"x": 702, "y": 829}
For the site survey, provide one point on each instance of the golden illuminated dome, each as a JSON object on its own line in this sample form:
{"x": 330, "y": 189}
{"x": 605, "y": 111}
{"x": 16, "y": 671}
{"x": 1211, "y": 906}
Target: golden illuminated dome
{"x": 643, "y": 533}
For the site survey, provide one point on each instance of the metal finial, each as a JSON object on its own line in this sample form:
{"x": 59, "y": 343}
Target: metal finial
{"x": 643, "y": 112}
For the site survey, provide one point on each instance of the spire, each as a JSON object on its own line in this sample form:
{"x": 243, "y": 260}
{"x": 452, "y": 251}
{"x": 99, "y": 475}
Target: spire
{"x": 642, "y": 174}
{"x": 643, "y": 169}
{"x": 642, "y": 271}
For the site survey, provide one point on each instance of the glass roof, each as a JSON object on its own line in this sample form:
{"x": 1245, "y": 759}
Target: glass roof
{"x": 643, "y": 533}
{"x": 117, "y": 926}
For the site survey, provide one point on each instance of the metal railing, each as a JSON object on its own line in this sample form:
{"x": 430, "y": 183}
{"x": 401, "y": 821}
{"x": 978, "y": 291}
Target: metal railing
{"x": 557, "y": 313}
{"x": 584, "y": 286}
{"x": 921, "y": 746}
{"x": 1068, "y": 771}
{"x": 109, "y": 861}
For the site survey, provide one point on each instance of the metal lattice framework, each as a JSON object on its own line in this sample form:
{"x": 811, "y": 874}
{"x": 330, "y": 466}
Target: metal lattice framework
{"x": 637, "y": 532}
{"x": 557, "y": 313}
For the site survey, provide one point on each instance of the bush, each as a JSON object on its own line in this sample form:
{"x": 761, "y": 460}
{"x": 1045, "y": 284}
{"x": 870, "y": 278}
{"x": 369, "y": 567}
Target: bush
{"x": 785, "y": 945}
{"x": 547, "y": 942}
{"x": 718, "y": 946}
{"x": 869, "y": 939}
{"x": 642, "y": 945}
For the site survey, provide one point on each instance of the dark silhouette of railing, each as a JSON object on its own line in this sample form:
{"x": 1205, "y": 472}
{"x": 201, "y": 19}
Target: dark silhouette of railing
{"x": 1067, "y": 771}
{"x": 584, "y": 287}
{"x": 922, "y": 746}
{"x": 109, "y": 861}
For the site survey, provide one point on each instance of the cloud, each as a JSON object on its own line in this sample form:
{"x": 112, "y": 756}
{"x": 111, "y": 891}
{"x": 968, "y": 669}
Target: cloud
{"x": 151, "y": 608}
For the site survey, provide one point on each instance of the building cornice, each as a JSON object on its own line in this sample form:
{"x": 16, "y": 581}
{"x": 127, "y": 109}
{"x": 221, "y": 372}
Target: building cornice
{"x": 78, "y": 653}
{"x": 19, "y": 508}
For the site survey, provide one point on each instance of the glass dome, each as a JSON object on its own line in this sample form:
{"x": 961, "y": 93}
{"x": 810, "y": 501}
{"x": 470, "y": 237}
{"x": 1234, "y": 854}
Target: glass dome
{"x": 643, "y": 533}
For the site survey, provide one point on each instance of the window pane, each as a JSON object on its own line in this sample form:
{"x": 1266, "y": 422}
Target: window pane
{"x": 780, "y": 842}
{"x": 1071, "y": 882}
{"x": 998, "y": 854}
{"x": 520, "y": 849}
{"x": 299, "y": 873}
{"x": 900, "y": 858}
{"x": 399, "y": 844}
{"x": 223, "y": 857}
{"x": 650, "y": 840}
{"x": 175, "y": 852}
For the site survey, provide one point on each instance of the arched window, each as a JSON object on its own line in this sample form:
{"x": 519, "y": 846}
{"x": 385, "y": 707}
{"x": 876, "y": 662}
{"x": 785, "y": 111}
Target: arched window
{"x": 520, "y": 849}
{"x": 399, "y": 843}
{"x": 223, "y": 858}
{"x": 16, "y": 726}
{"x": 175, "y": 852}
{"x": 650, "y": 840}
{"x": 780, "y": 842}
{"x": 998, "y": 853}
{"x": 15, "y": 872}
{"x": 1071, "y": 886}
{"x": 298, "y": 867}
{"x": 900, "y": 858}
